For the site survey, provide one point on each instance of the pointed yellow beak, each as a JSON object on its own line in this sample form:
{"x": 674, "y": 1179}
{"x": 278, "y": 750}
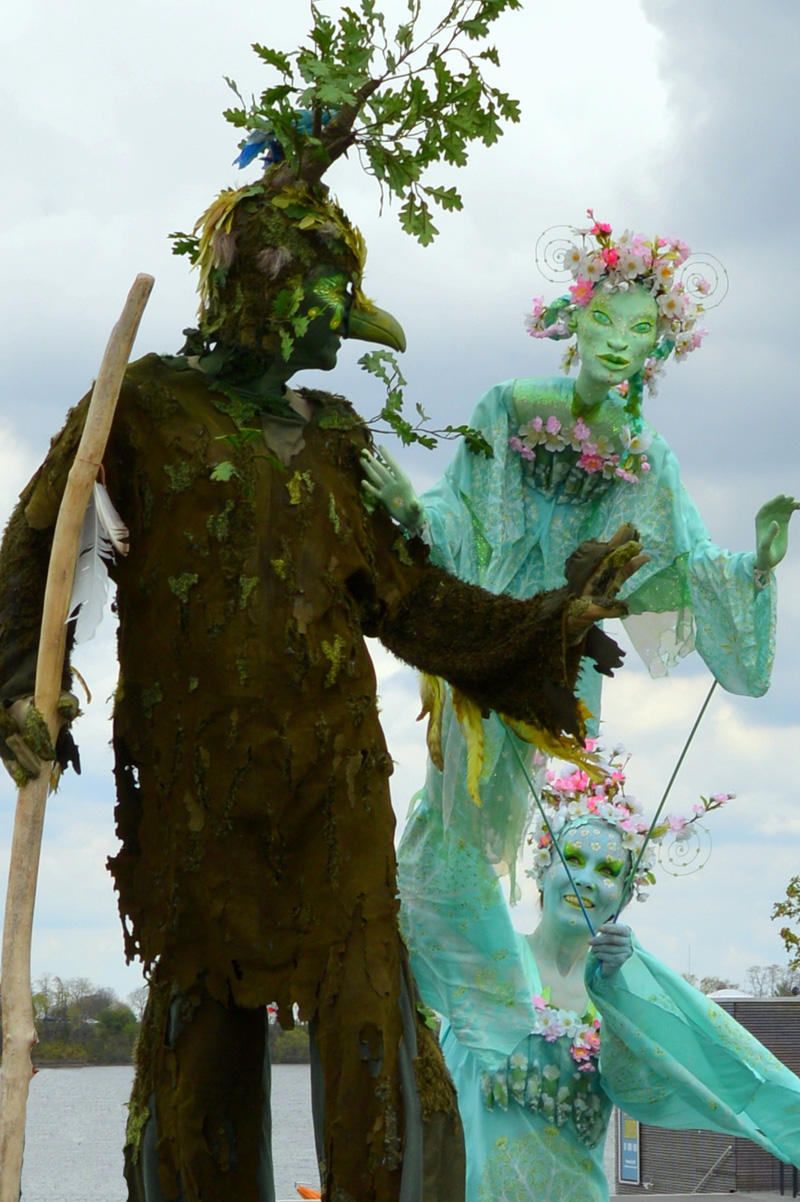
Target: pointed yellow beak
{"x": 376, "y": 325}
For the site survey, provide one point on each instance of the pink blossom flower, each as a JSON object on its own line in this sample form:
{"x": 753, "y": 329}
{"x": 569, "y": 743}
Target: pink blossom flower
{"x": 518, "y": 445}
{"x": 552, "y": 1030}
{"x": 721, "y": 798}
{"x": 538, "y": 1002}
{"x": 698, "y": 809}
{"x": 644, "y": 464}
{"x": 599, "y": 227}
{"x": 553, "y": 424}
{"x": 624, "y": 474}
{"x": 610, "y": 256}
{"x": 590, "y": 461}
{"x": 624, "y": 388}
{"x": 676, "y": 822}
{"x": 679, "y": 249}
{"x": 538, "y": 307}
{"x": 581, "y": 291}
{"x": 591, "y": 805}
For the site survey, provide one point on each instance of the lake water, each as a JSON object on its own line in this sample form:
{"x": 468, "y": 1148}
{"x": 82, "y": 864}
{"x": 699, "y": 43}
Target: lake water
{"x": 76, "y": 1127}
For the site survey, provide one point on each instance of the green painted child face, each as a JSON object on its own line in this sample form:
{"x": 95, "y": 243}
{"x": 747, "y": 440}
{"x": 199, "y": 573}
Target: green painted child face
{"x": 598, "y": 863}
{"x": 616, "y": 332}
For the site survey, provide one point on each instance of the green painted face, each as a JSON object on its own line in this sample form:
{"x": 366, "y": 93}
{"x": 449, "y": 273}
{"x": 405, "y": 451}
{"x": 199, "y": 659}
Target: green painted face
{"x": 616, "y": 332}
{"x": 328, "y": 299}
{"x": 329, "y": 294}
{"x": 598, "y": 863}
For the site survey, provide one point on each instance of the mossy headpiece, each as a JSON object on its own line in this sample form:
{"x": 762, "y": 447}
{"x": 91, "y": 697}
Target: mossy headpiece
{"x": 255, "y": 247}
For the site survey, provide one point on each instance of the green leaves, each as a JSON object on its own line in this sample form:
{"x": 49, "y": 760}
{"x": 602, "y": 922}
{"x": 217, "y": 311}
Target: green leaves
{"x": 384, "y": 366}
{"x": 407, "y": 101}
{"x": 185, "y": 244}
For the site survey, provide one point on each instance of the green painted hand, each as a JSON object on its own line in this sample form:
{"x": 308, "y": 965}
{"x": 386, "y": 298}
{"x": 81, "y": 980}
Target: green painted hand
{"x": 772, "y": 531}
{"x": 388, "y": 484}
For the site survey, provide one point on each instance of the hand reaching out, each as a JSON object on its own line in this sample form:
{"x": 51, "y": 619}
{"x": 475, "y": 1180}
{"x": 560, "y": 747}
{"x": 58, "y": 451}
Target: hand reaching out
{"x": 772, "y": 531}
{"x": 596, "y": 573}
{"x": 387, "y": 483}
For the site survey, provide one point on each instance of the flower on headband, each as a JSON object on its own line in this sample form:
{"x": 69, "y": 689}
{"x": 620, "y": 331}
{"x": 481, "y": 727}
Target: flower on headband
{"x": 600, "y": 261}
{"x": 573, "y": 799}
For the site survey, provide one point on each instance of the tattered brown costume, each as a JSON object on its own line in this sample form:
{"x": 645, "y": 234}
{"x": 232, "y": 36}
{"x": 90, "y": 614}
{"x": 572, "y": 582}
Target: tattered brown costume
{"x": 257, "y": 859}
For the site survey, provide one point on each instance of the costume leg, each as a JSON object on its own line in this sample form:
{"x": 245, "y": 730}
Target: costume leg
{"x": 208, "y": 1137}
{"x": 380, "y": 1090}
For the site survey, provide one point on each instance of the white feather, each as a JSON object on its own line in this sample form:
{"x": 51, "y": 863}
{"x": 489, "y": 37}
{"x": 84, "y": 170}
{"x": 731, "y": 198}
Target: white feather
{"x": 102, "y": 534}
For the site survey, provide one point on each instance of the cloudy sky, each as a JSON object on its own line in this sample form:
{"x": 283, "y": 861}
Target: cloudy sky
{"x": 663, "y": 116}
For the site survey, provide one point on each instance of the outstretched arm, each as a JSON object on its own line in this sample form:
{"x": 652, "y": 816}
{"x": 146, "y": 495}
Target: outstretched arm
{"x": 520, "y": 658}
{"x": 772, "y": 531}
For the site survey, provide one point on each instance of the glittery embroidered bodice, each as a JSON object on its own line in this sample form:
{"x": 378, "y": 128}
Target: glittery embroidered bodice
{"x": 542, "y": 1076}
{"x": 575, "y": 459}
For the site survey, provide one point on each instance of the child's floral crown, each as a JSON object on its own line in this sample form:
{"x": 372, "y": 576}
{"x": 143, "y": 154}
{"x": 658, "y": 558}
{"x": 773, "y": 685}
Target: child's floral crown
{"x": 600, "y": 263}
{"x": 575, "y": 800}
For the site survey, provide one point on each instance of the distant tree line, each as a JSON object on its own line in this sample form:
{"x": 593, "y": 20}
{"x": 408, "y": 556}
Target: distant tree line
{"x": 763, "y": 980}
{"x": 80, "y": 1023}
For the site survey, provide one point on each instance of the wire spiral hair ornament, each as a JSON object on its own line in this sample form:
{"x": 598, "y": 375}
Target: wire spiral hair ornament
{"x": 680, "y": 853}
{"x": 552, "y": 247}
{"x": 703, "y": 276}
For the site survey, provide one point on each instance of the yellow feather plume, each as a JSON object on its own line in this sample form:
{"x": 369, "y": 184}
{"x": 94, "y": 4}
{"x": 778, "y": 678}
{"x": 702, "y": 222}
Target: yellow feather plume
{"x": 431, "y": 690}
{"x": 469, "y": 716}
{"x": 561, "y": 747}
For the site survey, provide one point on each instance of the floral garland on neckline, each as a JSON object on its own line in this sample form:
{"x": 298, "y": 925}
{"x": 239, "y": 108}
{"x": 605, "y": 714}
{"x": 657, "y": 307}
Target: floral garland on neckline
{"x": 596, "y": 453}
{"x": 552, "y": 1023}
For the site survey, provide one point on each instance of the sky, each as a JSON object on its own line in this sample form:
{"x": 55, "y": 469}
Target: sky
{"x": 660, "y": 115}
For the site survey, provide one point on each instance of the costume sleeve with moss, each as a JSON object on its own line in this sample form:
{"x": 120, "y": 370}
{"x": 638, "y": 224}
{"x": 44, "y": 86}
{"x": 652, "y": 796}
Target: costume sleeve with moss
{"x": 505, "y": 654}
{"x": 672, "y": 1057}
{"x": 24, "y": 560}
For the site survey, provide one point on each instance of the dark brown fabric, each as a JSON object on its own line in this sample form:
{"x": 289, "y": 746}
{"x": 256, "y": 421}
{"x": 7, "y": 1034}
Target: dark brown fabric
{"x": 257, "y": 859}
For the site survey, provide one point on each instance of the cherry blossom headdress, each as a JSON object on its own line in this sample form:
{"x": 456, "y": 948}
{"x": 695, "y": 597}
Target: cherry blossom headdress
{"x": 680, "y": 844}
{"x": 680, "y": 283}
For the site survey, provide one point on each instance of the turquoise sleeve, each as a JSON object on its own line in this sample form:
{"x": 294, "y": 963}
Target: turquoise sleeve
{"x": 464, "y": 950}
{"x": 672, "y": 1057}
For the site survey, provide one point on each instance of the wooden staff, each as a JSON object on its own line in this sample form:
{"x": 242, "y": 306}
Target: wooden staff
{"x": 19, "y": 1035}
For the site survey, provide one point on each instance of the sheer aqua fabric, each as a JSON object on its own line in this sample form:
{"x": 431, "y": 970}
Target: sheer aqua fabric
{"x": 673, "y": 1058}
{"x": 509, "y": 525}
{"x": 534, "y": 1123}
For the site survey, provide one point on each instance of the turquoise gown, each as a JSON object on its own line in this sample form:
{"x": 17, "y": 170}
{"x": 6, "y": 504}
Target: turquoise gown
{"x": 509, "y": 525}
{"x": 534, "y": 1119}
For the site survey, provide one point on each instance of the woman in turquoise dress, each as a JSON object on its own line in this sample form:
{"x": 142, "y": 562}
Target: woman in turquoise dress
{"x": 571, "y": 460}
{"x": 543, "y": 1033}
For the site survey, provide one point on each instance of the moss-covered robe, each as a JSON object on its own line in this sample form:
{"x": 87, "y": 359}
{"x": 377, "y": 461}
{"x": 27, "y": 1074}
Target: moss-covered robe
{"x": 257, "y": 859}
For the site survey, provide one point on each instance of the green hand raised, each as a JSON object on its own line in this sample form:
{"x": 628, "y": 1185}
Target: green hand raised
{"x": 387, "y": 483}
{"x": 772, "y": 531}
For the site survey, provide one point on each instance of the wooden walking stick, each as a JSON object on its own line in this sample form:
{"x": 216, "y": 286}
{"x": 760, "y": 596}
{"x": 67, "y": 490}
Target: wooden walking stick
{"x": 19, "y": 1035}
